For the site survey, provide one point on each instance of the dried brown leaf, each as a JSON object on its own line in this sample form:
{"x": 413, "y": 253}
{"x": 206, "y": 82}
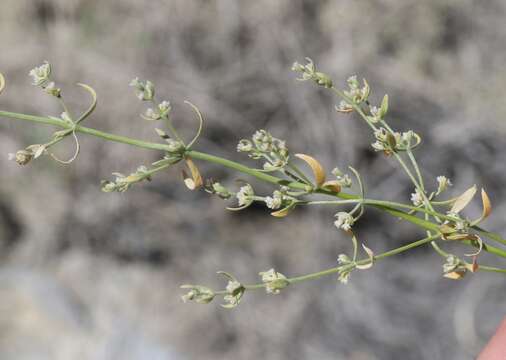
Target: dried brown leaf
{"x": 316, "y": 167}
{"x": 463, "y": 200}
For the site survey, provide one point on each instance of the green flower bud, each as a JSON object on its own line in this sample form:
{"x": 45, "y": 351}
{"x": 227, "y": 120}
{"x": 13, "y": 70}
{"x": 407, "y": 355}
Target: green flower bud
{"x": 323, "y": 80}
{"x": 52, "y": 90}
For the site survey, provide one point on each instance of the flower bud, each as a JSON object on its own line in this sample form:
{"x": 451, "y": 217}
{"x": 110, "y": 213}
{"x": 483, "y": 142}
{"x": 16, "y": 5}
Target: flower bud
{"x": 323, "y": 80}
{"x": 52, "y": 90}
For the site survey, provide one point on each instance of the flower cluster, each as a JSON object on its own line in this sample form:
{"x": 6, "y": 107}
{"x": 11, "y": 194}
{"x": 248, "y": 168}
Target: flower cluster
{"x": 275, "y": 201}
{"x": 199, "y": 294}
{"x": 344, "y": 107}
{"x": 442, "y": 184}
{"x": 265, "y": 146}
{"x": 123, "y": 182}
{"x": 454, "y": 268}
{"x": 40, "y": 74}
{"x": 161, "y": 111}
{"x": 390, "y": 142}
{"x": 245, "y": 195}
{"x": 356, "y": 92}
{"x": 274, "y": 281}
{"x": 417, "y": 198}
{"x": 234, "y": 291}
{"x": 175, "y": 147}
{"x": 145, "y": 89}
{"x": 308, "y": 72}
{"x": 378, "y": 113}
{"x": 41, "y": 77}
{"x": 344, "y": 221}
{"x": 346, "y": 267}
{"x": 343, "y": 180}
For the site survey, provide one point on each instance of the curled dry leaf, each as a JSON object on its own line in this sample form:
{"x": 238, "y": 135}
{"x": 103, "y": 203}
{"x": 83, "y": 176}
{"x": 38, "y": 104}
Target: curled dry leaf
{"x": 487, "y": 206}
{"x": 195, "y": 181}
{"x": 2, "y": 83}
{"x": 463, "y": 200}
{"x": 474, "y": 266}
{"x": 332, "y": 185}
{"x": 478, "y": 240}
{"x": 455, "y": 275}
{"x": 370, "y": 253}
{"x": 283, "y": 212}
{"x": 316, "y": 167}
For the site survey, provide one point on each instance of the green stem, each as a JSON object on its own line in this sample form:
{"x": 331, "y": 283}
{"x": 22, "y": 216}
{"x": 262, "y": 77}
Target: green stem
{"x": 387, "y": 206}
{"x": 300, "y": 173}
{"x": 335, "y": 270}
{"x": 85, "y": 130}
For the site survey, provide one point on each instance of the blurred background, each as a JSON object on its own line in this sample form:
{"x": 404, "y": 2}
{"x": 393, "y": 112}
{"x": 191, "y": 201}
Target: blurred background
{"x": 88, "y": 275}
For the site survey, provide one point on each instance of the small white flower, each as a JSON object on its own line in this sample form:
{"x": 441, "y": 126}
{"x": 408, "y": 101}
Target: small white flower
{"x": 197, "y": 293}
{"x": 275, "y": 201}
{"x": 344, "y": 276}
{"x": 378, "y": 146}
{"x": 145, "y": 90}
{"x": 235, "y": 292}
{"x": 274, "y": 281}
{"x": 244, "y": 146}
{"x": 381, "y": 134}
{"x": 443, "y": 183}
{"x": 353, "y": 82}
{"x": 343, "y": 259}
{"x": 151, "y": 115}
{"x": 375, "y": 114}
{"x": 344, "y": 107}
{"x": 164, "y": 108}
{"x": 417, "y": 198}
{"x": 174, "y": 145}
{"x": 136, "y": 83}
{"x": 233, "y": 286}
{"x": 40, "y": 74}
{"x": 344, "y": 221}
{"x": 164, "y": 105}
{"x": 245, "y": 195}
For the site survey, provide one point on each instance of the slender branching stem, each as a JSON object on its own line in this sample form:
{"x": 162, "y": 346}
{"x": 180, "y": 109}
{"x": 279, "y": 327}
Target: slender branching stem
{"x": 294, "y": 184}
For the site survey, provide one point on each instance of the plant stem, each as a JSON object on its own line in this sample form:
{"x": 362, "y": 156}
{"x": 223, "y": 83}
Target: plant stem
{"x": 335, "y": 270}
{"x": 389, "y": 207}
